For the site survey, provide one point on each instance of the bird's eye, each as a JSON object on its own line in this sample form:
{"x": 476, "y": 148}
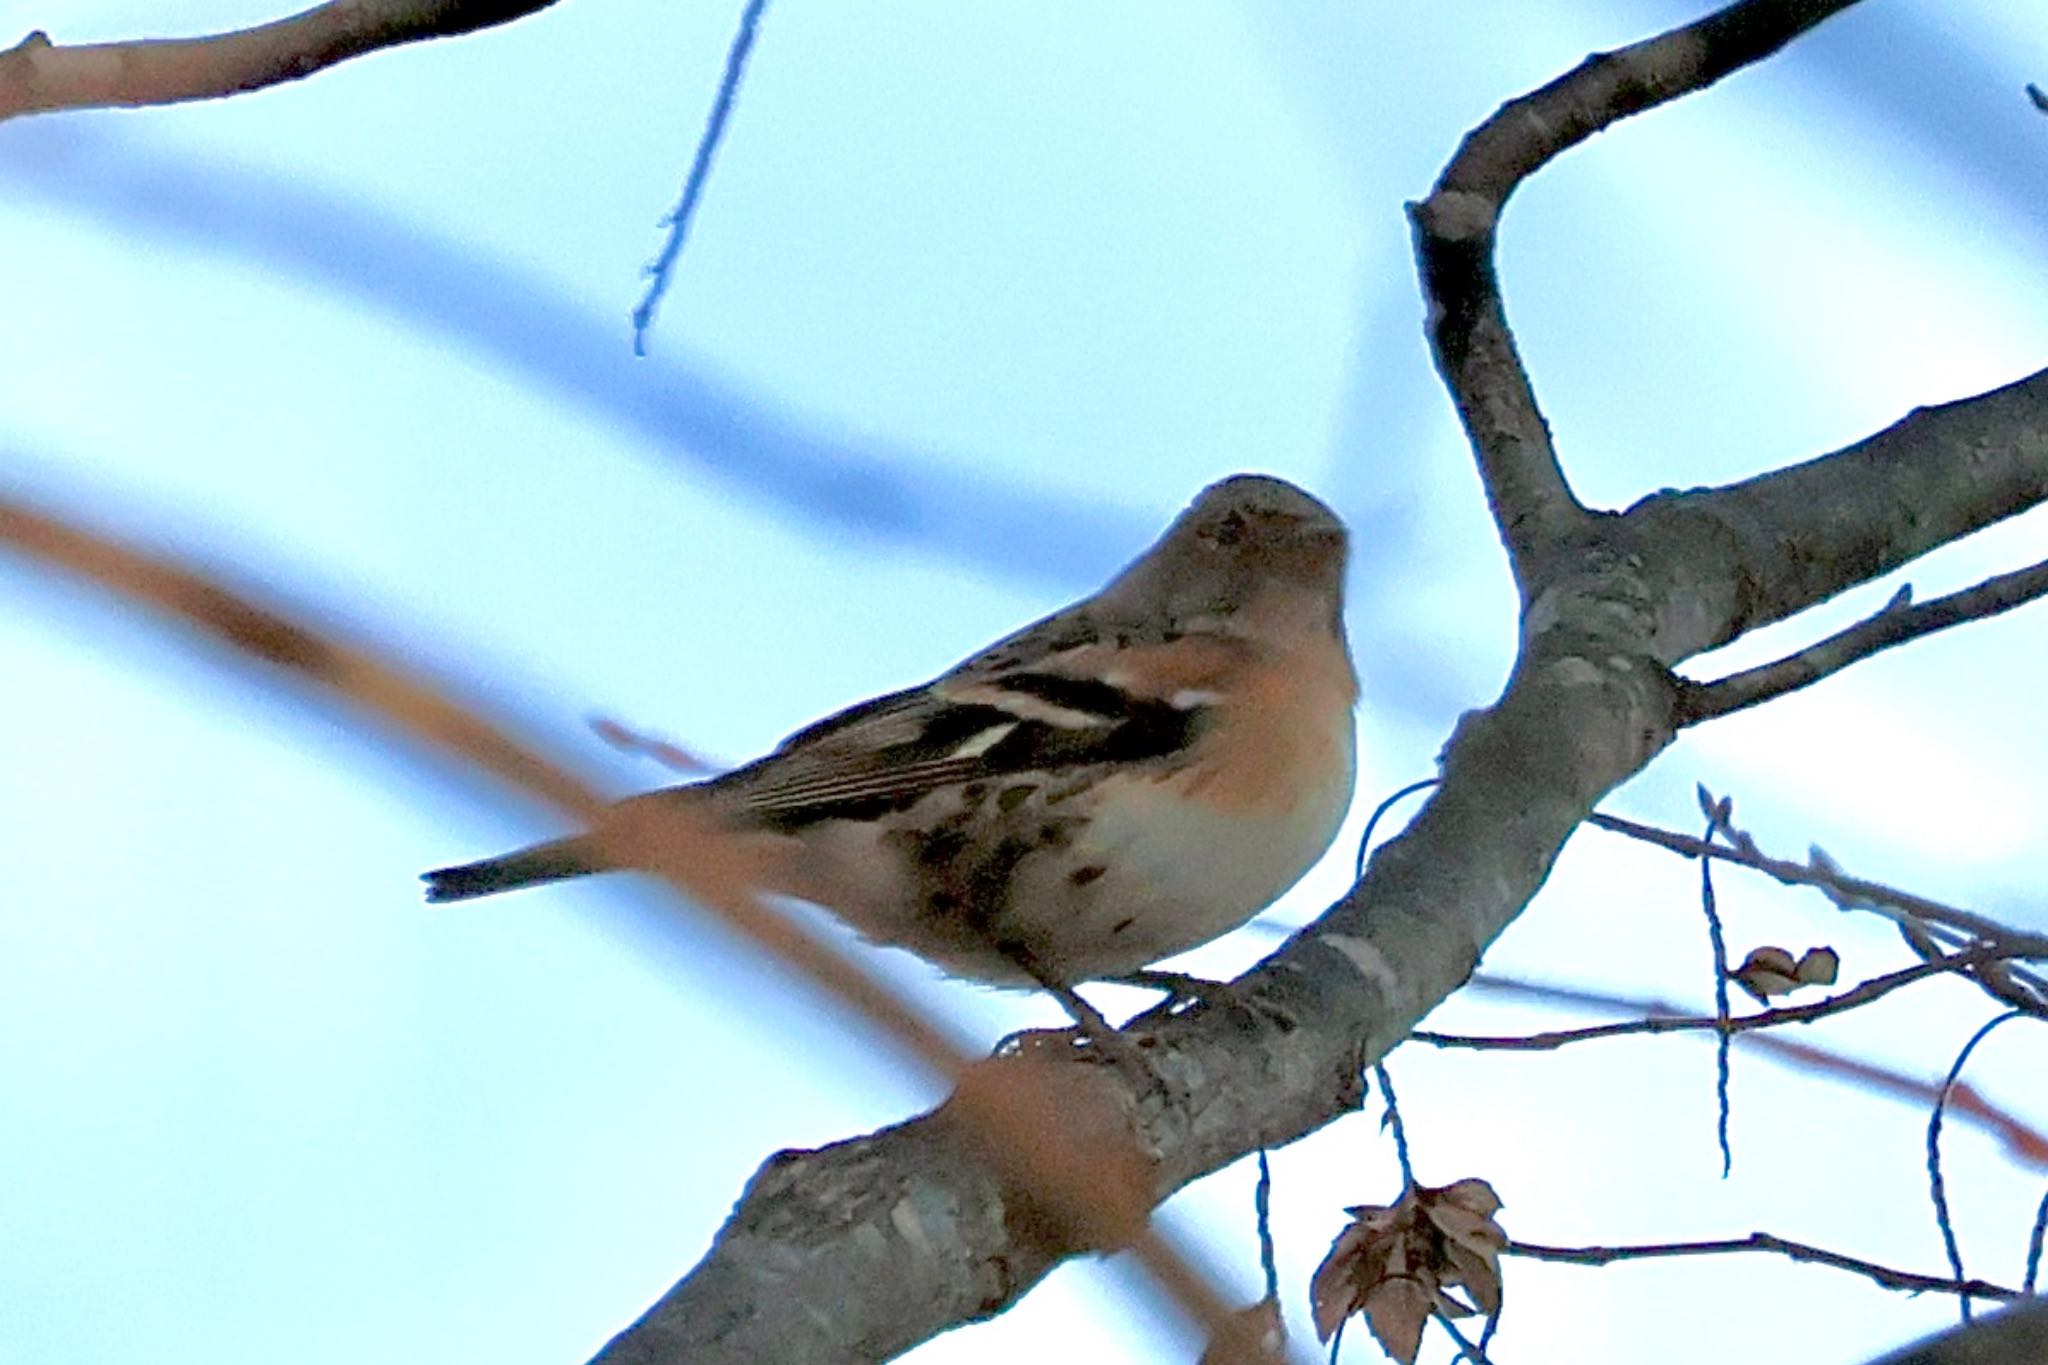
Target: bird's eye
{"x": 1230, "y": 530}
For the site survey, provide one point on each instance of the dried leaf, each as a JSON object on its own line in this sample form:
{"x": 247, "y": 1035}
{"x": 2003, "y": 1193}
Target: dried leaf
{"x": 1470, "y": 1193}
{"x": 1767, "y": 972}
{"x": 1397, "y": 1264}
{"x": 1819, "y": 967}
{"x": 1396, "y": 1310}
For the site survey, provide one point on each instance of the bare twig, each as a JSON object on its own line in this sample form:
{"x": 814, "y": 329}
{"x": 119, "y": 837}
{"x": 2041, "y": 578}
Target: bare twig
{"x": 1874, "y": 989}
{"x": 1937, "y": 1188}
{"x": 1884, "y": 1276}
{"x": 37, "y": 75}
{"x": 2022, "y": 1142}
{"x": 2035, "y": 1239}
{"x": 1262, "y": 1205}
{"x": 1392, "y": 1121}
{"x": 1896, "y": 623}
{"x": 678, "y": 221}
{"x": 1717, "y": 813}
{"x": 1533, "y": 505}
{"x": 1474, "y": 1351}
{"x": 1379, "y": 812}
{"x": 1848, "y": 892}
{"x": 1007, "y": 1105}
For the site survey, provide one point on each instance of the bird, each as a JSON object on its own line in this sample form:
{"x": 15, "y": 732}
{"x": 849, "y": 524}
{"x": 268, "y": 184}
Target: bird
{"x": 1128, "y": 778}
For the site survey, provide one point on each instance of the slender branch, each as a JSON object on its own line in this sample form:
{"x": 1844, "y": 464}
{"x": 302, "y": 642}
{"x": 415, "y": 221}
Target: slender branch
{"x": 662, "y": 271}
{"x": 1391, "y": 1120}
{"x": 1533, "y": 506}
{"x": 37, "y": 75}
{"x": 1849, "y": 892}
{"x": 2022, "y": 1143}
{"x": 1896, "y": 623}
{"x": 1937, "y": 1188}
{"x": 1262, "y": 1207}
{"x": 1717, "y": 821}
{"x": 1884, "y": 1276}
{"x": 1874, "y": 989}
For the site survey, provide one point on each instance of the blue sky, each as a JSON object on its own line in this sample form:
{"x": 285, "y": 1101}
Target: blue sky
{"x": 978, "y": 296}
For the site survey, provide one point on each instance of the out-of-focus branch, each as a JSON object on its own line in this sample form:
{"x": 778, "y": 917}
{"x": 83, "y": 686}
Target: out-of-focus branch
{"x": 37, "y": 75}
{"x": 831, "y": 483}
{"x": 1905, "y": 1280}
{"x": 1533, "y": 505}
{"x": 1056, "y": 1137}
{"x": 1900, "y": 620}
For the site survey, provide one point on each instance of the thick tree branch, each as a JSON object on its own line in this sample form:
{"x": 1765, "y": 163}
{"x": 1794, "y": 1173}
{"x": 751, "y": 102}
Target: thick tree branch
{"x": 1899, "y": 621}
{"x": 36, "y": 75}
{"x": 1533, "y": 505}
{"x": 1797, "y": 536}
{"x": 2018, "y": 1335}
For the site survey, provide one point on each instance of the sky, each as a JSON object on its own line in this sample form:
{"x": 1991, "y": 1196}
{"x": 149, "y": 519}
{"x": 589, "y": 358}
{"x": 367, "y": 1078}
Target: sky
{"x": 977, "y": 298}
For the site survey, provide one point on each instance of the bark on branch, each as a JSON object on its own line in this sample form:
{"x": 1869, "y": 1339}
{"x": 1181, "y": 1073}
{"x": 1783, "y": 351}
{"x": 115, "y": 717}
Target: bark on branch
{"x": 37, "y": 75}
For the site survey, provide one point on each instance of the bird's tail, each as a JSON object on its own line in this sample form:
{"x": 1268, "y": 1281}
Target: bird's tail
{"x": 549, "y": 862}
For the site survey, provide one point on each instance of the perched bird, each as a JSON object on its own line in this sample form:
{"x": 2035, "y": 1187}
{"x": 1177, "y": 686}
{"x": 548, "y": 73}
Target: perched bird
{"x": 1130, "y": 777}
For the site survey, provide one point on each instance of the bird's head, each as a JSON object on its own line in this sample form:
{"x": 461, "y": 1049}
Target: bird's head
{"x": 1248, "y": 539}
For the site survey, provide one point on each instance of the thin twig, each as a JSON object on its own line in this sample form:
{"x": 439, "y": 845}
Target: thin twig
{"x": 1717, "y": 820}
{"x": 2022, "y": 1142}
{"x": 1379, "y": 812}
{"x": 1393, "y": 1122}
{"x": 1848, "y": 892}
{"x": 37, "y": 75}
{"x": 662, "y": 271}
{"x": 2034, "y": 1242}
{"x": 1262, "y": 1204}
{"x": 1876, "y": 988}
{"x": 1894, "y": 624}
{"x": 1937, "y": 1188}
{"x": 1467, "y": 1349}
{"x": 1884, "y": 1276}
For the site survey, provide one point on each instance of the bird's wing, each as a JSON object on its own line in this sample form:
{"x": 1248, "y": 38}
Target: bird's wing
{"x": 1038, "y": 702}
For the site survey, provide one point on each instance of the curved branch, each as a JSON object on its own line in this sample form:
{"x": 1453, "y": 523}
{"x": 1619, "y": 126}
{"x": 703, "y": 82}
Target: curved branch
{"x": 37, "y": 75}
{"x": 1533, "y": 505}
